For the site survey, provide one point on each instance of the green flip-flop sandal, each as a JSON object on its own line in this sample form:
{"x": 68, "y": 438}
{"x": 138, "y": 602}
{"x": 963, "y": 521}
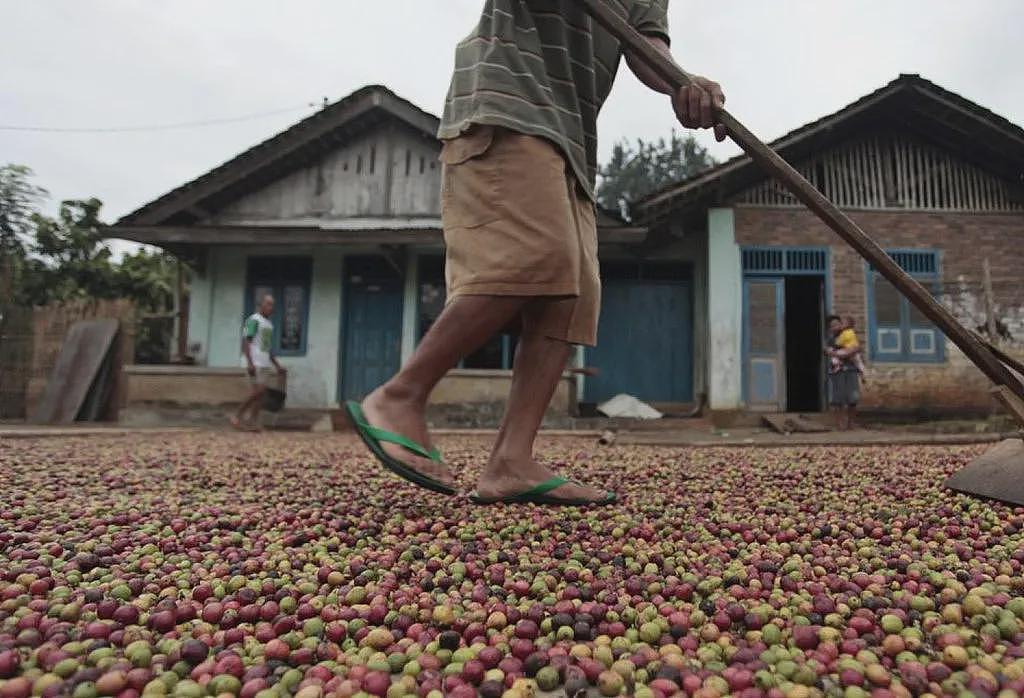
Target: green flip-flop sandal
{"x": 539, "y": 495}
{"x": 373, "y": 437}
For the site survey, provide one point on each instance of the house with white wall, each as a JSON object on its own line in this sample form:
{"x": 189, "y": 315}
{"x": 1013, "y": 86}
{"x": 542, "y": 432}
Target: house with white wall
{"x": 716, "y": 293}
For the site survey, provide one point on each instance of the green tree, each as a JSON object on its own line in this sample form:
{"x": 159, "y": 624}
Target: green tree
{"x": 56, "y": 259}
{"x": 19, "y": 200}
{"x": 634, "y": 172}
{"x": 69, "y": 258}
{"x": 149, "y": 279}
{"x": 46, "y": 260}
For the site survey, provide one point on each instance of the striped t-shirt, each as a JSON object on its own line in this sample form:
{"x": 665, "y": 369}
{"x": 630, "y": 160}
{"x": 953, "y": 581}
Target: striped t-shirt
{"x": 543, "y": 68}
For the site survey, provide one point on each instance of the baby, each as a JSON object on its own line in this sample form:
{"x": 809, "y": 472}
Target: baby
{"x": 846, "y": 347}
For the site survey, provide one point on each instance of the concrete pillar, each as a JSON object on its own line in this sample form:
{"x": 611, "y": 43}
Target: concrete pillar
{"x": 199, "y": 311}
{"x": 410, "y": 305}
{"x": 313, "y": 378}
{"x": 725, "y": 310}
{"x": 227, "y": 314}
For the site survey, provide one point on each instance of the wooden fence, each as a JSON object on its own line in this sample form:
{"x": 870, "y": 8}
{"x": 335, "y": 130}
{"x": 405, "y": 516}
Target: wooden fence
{"x": 31, "y": 340}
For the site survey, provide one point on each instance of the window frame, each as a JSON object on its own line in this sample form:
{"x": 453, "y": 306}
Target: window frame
{"x": 508, "y": 341}
{"x": 285, "y": 275}
{"x": 905, "y": 330}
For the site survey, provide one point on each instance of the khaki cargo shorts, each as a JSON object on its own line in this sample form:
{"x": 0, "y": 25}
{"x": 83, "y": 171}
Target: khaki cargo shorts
{"x": 516, "y": 224}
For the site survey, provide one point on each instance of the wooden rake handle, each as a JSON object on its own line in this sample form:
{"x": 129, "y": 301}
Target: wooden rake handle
{"x": 803, "y": 190}
{"x": 1001, "y": 355}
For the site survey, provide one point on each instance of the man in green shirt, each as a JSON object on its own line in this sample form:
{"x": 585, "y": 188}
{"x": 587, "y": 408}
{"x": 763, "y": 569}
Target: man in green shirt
{"x": 519, "y": 166}
{"x": 259, "y": 362}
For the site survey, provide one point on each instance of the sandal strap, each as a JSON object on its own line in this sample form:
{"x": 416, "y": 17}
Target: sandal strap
{"x": 391, "y": 437}
{"x": 546, "y": 486}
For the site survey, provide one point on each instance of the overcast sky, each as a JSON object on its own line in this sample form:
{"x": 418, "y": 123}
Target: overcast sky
{"x": 127, "y": 63}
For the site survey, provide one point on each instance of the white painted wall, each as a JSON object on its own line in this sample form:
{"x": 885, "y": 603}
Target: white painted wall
{"x": 313, "y": 378}
{"x": 725, "y": 311}
{"x": 216, "y": 316}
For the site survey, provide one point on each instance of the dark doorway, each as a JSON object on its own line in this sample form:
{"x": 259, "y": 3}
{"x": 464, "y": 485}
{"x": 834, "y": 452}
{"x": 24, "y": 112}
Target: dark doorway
{"x": 804, "y": 350}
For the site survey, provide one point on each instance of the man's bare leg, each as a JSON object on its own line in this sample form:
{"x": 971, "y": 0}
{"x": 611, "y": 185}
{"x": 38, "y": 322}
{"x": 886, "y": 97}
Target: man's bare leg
{"x": 399, "y": 405}
{"x": 538, "y": 366}
{"x": 257, "y": 407}
{"x": 239, "y": 419}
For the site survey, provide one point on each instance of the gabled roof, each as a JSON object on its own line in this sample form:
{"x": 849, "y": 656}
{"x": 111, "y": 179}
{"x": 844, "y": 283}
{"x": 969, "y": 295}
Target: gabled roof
{"x": 288, "y": 150}
{"x": 910, "y": 102}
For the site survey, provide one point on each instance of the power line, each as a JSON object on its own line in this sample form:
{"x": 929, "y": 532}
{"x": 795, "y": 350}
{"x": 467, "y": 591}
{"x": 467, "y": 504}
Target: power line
{"x": 157, "y": 127}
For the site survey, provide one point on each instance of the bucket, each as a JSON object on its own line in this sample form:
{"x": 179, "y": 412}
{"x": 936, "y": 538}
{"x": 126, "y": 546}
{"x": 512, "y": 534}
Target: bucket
{"x": 274, "y": 396}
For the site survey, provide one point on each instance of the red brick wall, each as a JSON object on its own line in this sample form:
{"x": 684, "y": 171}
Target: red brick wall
{"x": 964, "y": 241}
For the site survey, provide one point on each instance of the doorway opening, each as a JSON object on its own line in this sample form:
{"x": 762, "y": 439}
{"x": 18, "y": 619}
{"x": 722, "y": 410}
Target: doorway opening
{"x": 785, "y": 292}
{"x": 805, "y": 318}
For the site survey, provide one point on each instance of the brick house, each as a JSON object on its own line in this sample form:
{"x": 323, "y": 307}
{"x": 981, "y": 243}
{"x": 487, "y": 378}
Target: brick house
{"x": 715, "y": 294}
{"x": 937, "y": 180}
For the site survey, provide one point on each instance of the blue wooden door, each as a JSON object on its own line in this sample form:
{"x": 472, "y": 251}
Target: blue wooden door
{"x": 644, "y": 342}
{"x": 764, "y": 348}
{"x": 373, "y": 334}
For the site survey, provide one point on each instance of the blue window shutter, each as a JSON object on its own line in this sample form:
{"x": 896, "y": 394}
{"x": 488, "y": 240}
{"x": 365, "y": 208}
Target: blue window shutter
{"x": 898, "y": 331}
